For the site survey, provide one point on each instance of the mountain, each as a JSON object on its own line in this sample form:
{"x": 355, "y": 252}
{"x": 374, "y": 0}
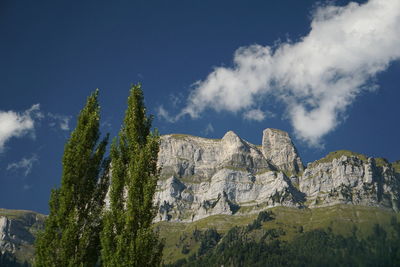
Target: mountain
{"x": 203, "y": 177}
{"x": 227, "y": 200}
{"x": 17, "y": 234}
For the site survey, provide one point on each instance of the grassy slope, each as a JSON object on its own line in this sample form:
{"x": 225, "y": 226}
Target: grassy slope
{"x": 18, "y": 214}
{"x": 396, "y": 166}
{"x": 177, "y": 235}
{"x": 337, "y": 154}
{"x": 340, "y": 218}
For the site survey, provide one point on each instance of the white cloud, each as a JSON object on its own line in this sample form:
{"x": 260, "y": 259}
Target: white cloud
{"x": 254, "y": 114}
{"x": 316, "y": 78}
{"x": 62, "y": 121}
{"x": 14, "y": 124}
{"x": 25, "y": 164}
{"x": 164, "y": 114}
{"x": 175, "y": 99}
{"x": 209, "y": 129}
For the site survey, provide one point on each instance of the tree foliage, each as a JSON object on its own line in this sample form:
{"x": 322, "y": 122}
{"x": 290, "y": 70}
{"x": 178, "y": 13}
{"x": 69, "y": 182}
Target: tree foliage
{"x": 128, "y": 238}
{"x": 71, "y": 234}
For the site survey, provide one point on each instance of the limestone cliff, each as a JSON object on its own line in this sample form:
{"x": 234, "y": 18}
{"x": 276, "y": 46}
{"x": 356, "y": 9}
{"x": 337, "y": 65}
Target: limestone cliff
{"x": 17, "y": 233}
{"x": 351, "y": 178}
{"x": 202, "y": 177}
{"x": 278, "y": 148}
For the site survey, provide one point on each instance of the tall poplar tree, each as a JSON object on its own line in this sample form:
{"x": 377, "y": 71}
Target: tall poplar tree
{"x": 128, "y": 238}
{"x": 71, "y": 234}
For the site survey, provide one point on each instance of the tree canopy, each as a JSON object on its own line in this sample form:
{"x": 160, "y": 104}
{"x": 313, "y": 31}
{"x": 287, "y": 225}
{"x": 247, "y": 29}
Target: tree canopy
{"x": 128, "y": 238}
{"x": 71, "y": 234}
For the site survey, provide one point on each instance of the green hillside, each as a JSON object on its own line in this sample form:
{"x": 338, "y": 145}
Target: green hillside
{"x": 341, "y": 234}
{"x": 187, "y": 241}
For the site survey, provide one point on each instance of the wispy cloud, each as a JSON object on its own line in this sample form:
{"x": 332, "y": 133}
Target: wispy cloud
{"x": 164, "y": 114}
{"x": 176, "y": 99}
{"x": 208, "y": 130}
{"x": 254, "y": 114}
{"x": 25, "y": 165}
{"x": 60, "y": 121}
{"x": 316, "y": 78}
{"x": 15, "y": 124}
{"x": 26, "y": 187}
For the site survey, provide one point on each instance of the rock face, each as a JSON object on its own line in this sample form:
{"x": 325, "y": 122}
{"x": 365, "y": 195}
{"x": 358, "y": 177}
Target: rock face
{"x": 351, "y": 179}
{"x": 17, "y": 230}
{"x": 202, "y": 177}
{"x": 278, "y": 148}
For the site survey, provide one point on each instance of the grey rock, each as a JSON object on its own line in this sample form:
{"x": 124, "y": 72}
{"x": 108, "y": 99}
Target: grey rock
{"x": 202, "y": 177}
{"x": 17, "y": 232}
{"x": 279, "y": 149}
{"x": 350, "y": 180}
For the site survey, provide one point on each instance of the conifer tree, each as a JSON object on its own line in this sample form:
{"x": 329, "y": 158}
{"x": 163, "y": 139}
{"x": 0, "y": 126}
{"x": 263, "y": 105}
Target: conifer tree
{"x": 128, "y": 238}
{"x": 71, "y": 234}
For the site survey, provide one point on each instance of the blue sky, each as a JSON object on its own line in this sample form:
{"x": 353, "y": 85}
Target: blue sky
{"x": 326, "y": 72}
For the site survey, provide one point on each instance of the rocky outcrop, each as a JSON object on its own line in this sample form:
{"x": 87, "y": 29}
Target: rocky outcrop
{"x": 202, "y": 177}
{"x": 199, "y": 158}
{"x": 17, "y": 233}
{"x": 278, "y": 148}
{"x": 350, "y": 178}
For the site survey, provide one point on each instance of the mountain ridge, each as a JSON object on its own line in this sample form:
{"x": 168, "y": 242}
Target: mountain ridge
{"x": 217, "y": 183}
{"x": 202, "y": 177}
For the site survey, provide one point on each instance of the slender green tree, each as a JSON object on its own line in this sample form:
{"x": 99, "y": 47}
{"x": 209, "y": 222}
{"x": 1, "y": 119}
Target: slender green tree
{"x": 71, "y": 233}
{"x": 128, "y": 238}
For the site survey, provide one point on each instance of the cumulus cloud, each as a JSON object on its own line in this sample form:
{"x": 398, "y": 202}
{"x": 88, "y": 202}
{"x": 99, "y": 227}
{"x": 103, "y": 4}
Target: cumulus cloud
{"x": 25, "y": 165}
{"x": 61, "y": 121}
{"x": 14, "y": 124}
{"x": 316, "y": 78}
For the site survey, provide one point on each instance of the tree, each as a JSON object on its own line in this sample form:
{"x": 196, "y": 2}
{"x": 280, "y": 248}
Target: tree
{"x": 128, "y": 238}
{"x": 71, "y": 233}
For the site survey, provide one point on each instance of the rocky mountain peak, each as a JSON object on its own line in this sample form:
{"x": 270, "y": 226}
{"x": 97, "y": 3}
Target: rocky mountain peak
{"x": 278, "y": 148}
{"x": 233, "y": 143}
{"x": 230, "y": 135}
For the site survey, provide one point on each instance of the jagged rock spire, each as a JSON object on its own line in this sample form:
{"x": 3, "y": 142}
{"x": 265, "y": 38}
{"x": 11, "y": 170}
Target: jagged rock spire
{"x": 278, "y": 148}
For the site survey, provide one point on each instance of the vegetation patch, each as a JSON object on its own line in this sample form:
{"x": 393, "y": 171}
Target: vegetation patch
{"x": 396, "y": 166}
{"x": 380, "y": 162}
{"x": 284, "y": 225}
{"x": 185, "y": 136}
{"x": 262, "y": 171}
{"x": 337, "y": 154}
{"x": 281, "y": 237}
{"x": 233, "y": 168}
